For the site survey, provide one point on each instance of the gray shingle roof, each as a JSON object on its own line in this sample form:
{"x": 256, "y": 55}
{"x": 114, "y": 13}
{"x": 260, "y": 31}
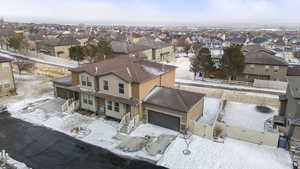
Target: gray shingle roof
{"x": 127, "y": 68}
{"x": 174, "y": 99}
{"x": 255, "y": 54}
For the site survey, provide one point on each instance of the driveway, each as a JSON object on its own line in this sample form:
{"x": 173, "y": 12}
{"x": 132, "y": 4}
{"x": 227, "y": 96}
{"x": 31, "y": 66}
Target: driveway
{"x": 42, "y": 148}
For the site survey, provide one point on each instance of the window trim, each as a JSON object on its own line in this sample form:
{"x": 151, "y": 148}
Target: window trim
{"x": 116, "y": 107}
{"x": 83, "y": 79}
{"x": 121, "y": 88}
{"x": 109, "y": 105}
{"x": 105, "y": 85}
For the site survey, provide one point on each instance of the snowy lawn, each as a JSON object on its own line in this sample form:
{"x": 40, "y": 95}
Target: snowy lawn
{"x": 232, "y": 154}
{"x": 96, "y": 130}
{"x": 210, "y": 112}
{"x": 246, "y": 116}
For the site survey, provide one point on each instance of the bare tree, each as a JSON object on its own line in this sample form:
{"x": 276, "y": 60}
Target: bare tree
{"x": 22, "y": 64}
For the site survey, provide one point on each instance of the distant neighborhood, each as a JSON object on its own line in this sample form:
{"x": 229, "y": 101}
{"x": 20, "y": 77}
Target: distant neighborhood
{"x": 173, "y": 96}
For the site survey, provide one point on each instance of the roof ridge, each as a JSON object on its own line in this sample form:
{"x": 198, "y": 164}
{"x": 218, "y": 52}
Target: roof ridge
{"x": 179, "y": 95}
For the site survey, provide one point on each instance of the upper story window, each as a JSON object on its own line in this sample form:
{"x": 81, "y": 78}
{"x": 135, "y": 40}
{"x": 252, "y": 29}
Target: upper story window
{"x": 86, "y": 81}
{"x": 276, "y": 68}
{"x": 121, "y": 88}
{"x": 117, "y": 107}
{"x": 252, "y": 66}
{"x": 105, "y": 85}
{"x": 83, "y": 80}
{"x": 89, "y": 82}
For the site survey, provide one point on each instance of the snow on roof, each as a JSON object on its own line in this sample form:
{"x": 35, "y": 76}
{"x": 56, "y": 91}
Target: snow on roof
{"x": 152, "y": 70}
{"x": 210, "y": 112}
{"x": 246, "y": 116}
{"x": 233, "y": 154}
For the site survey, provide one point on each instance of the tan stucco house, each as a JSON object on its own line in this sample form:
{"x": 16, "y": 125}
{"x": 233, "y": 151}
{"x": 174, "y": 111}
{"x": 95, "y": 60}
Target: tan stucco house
{"x": 262, "y": 64}
{"x": 7, "y": 82}
{"x": 57, "y": 47}
{"x": 148, "y": 50}
{"x": 128, "y": 87}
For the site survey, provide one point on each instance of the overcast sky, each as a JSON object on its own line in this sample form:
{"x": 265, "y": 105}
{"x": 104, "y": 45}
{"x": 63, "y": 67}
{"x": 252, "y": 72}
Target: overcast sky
{"x": 152, "y": 11}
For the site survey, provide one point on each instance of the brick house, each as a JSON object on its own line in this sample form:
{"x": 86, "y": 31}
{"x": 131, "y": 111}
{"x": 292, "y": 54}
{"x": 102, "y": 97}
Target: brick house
{"x": 123, "y": 87}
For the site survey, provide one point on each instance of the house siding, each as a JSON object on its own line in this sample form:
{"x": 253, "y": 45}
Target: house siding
{"x": 293, "y": 106}
{"x": 113, "y": 83}
{"x": 6, "y": 77}
{"x": 196, "y": 111}
{"x": 260, "y": 70}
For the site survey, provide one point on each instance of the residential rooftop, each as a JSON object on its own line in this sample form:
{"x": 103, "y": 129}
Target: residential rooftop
{"x": 129, "y": 69}
{"x": 255, "y": 54}
{"x": 174, "y": 99}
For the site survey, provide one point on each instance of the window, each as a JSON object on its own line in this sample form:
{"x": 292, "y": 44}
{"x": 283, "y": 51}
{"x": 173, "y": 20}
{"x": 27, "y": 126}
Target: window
{"x": 5, "y": 67}
{"x": 109, "y": 105}
{"x": 6, "y": 85}
{"x": 117, "y": 109}
{"x": 267, "y": 68}
{"x": 276, "y": 68}
{"x": 89, "y": 82}
{"x": 83, "y": 80}
{"x": 121, "y": 88}
{"x": 85, "y": 101}
{"x": 252, "y": 66}
{"x": 88, "y": 99}
{"x": 105, "y": 85}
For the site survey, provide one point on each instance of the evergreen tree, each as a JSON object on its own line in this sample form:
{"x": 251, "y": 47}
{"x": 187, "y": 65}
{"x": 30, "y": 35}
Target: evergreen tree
{"x": 202, "y": 62}
{"x": 233, "y": 61}
{"x": 17, "y": 41}
{"x": 76, "y": 53}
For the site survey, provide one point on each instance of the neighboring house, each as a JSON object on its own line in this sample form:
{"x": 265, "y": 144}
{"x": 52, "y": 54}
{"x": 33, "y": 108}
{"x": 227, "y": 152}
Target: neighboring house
{"x": 262, "y": 64}
{"x": 289, "y": 115}
{"x": 7, "y": 82}
{"x": 149, "y": 50}
{"x": 124, "y": 48}
{"x": 161, "y": 51}
{"x": 57, "y": 47}
{"x": 129, "y": 87}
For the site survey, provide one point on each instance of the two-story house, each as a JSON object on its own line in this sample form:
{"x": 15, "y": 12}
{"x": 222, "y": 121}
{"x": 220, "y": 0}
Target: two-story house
{"x": 57, "y": 47}
{"x": 7, "y": 82}
{"x": 124, "y": 85}
{"x": 262, "y": 64}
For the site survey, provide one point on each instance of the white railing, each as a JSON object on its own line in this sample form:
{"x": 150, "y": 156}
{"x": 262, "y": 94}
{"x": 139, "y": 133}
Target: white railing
{"x": 128, "y": 122}
{"x": 70, "y": 106}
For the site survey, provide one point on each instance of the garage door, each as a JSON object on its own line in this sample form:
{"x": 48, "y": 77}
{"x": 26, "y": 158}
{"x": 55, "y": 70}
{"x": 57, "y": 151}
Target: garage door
{"x": 164, "y": 120}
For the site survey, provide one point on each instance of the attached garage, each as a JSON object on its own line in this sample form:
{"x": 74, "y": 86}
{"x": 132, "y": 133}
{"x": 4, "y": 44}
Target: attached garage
{"x": 164, "y": 120}
{"x": 172, "y": 108}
